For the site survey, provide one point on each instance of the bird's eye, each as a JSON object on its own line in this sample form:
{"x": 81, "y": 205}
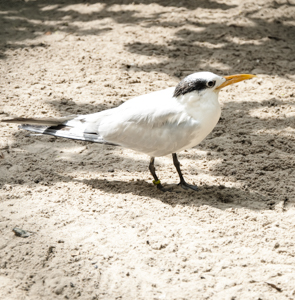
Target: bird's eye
{"x": 210, "y": 83}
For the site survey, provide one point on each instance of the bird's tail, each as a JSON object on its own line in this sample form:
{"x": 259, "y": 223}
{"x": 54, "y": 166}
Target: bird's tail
{"x": 66, "y": 127}
{"x": 41, "y": 121}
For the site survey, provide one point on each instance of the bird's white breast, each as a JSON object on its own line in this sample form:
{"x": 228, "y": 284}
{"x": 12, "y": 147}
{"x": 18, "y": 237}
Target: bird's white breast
{"x": 204, "y": 110}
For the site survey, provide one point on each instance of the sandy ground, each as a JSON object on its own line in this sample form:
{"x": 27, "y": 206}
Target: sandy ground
{"x": 98, "y": 227}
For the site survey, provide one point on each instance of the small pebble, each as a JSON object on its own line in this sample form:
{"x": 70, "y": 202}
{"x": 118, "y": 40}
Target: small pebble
{"x": 21, "y": 233}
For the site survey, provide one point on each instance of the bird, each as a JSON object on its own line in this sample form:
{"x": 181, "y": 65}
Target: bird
{"x": 158, "y": 124}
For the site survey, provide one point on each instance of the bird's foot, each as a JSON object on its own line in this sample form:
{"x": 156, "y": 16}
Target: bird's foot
{"x": 160, "y": 187}
{"x": 187, "y": 186}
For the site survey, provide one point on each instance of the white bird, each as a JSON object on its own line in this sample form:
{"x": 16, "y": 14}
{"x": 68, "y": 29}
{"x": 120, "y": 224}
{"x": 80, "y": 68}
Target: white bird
{"x": 157, "y": 124}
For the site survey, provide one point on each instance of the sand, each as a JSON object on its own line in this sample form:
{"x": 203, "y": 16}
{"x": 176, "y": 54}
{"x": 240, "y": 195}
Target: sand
{"x": 96, "y": 226}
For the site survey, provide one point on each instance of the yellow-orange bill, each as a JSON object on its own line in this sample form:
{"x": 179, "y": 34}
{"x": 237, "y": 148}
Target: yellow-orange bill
{"x": 235, "y": 78}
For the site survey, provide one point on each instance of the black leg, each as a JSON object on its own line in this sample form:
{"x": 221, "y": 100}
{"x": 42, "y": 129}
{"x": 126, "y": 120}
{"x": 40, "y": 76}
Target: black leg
{"x": 182, "y": 182}
{"x": 156, "y": 181}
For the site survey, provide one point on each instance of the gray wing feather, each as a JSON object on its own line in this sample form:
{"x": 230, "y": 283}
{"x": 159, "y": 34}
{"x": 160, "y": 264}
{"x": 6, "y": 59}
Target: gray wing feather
{"x": 66, "y": 132}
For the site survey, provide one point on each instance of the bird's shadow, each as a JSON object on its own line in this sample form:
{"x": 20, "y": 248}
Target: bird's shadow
{"x": 218, "y": 196}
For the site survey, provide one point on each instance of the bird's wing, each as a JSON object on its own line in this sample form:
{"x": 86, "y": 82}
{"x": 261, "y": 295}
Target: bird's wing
{"x": 155, "y": 124}
{"x": 82, "y": 127}
{"x": 65, "y": 132}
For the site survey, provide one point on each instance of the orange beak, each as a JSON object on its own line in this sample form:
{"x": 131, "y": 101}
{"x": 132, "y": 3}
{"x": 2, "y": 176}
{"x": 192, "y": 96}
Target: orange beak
{"x": 235, "y": 78}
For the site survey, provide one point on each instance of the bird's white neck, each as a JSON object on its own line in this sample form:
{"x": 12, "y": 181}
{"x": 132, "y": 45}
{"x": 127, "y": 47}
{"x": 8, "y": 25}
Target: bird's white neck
{"x": 201, "y": 105}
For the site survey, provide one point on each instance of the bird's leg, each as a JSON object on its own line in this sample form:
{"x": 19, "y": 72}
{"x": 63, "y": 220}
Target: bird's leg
{"x": 156, "y": 181}
{"x": 182, "y": 182}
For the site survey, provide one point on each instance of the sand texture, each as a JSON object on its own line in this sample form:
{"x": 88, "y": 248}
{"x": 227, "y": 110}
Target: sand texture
{"x": 84, "y": 221}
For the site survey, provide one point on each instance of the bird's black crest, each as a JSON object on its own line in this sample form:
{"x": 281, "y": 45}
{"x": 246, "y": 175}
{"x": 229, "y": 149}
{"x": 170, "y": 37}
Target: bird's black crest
{"x": 187, "y": 86}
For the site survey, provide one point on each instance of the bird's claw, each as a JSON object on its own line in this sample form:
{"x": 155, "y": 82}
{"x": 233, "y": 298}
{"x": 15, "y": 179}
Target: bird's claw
{"x": 187, "y": 186}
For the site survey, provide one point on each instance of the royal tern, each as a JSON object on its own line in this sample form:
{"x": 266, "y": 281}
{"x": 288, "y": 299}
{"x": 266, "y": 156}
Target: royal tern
{"x": 157, "y": 124}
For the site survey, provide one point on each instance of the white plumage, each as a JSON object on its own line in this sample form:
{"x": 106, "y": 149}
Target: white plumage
{"x": 157, "y": 124}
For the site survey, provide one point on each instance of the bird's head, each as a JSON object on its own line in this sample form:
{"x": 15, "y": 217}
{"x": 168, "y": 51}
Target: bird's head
{"x": 206, "y": 83}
